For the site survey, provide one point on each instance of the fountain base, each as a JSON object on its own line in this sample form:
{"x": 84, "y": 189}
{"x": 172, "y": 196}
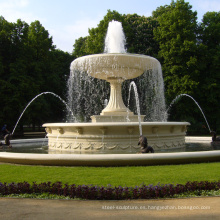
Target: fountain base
{"x": 114, "y": 137}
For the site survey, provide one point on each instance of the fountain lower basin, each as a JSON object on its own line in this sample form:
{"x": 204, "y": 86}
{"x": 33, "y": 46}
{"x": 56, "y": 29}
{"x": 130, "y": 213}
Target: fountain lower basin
{"x": 114, "y": 137}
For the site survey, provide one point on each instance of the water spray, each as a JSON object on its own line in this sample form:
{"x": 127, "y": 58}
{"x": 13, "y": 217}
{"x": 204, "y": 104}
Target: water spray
{"x": 179, "y": 96}
{"x": 43, "y": 93}
{"x": 137, "y": 103}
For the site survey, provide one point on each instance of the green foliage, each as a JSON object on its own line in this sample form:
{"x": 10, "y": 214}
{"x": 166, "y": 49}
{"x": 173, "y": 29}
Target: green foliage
{"x": 80, "y": 47}
{"x": 29, "y": 65}
{"x": 139, "y": 34}
{"x": 187, "y": 51}
{"x": 176, "y": 35}
{"x": 209, "y": 36}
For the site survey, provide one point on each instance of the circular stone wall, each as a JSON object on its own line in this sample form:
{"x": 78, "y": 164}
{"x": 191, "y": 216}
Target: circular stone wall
{"x": 111, "y": 137}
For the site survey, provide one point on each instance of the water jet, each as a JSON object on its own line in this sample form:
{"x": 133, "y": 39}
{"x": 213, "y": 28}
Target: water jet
{"x": 186, "y": 95}
{"x": 43, "y": 93}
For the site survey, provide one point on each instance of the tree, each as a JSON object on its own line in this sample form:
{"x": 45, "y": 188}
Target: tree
{"x": 139, "y": 34}
{"x": 176, "y": 35}
{"x": 209, "y": 93}
{"x": 13, "y": 81}
{"x": 30, "y": 65}
{"x": 56, "y": 82}
{"x": 6, "y": 29}
{"x": 80, "y": 47}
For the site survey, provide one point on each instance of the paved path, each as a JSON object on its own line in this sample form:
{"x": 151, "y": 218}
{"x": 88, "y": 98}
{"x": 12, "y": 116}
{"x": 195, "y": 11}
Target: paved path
{"x": 34, "y": 209}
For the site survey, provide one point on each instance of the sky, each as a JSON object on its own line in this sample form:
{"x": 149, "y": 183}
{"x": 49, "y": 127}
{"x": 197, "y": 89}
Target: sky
{"x": 67, "y": 20}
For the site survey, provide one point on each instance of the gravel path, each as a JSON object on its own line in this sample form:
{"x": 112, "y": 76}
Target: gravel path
{"x": 189, "y": 208}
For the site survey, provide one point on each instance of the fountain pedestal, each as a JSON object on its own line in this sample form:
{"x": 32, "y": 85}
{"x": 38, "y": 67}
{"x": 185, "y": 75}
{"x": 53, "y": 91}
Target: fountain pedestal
{"x": 116, "y": 105}
{"x": 116, "y": 111}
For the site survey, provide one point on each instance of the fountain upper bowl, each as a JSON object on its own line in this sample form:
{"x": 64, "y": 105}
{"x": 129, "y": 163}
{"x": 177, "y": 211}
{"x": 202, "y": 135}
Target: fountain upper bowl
{"x": 115, "y": 65}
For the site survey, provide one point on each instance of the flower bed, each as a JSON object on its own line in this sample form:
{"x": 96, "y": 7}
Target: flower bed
{"x": 107, "y": 193}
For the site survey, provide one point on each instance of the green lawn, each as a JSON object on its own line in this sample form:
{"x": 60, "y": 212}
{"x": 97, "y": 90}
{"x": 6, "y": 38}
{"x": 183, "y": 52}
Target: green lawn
{"x": 102, "y": 176}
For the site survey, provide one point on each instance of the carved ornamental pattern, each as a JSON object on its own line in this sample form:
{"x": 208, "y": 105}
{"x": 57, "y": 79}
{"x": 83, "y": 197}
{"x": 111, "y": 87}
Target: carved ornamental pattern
{"x": 96, "y": 146}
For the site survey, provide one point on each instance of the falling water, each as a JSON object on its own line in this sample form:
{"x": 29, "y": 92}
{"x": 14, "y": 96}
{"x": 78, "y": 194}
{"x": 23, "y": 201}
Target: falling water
{"x": 43, "y": 93}
{"x": 181, "y": 95}
{"x": 115, "y": 38}
{"x": 85, "y": 95}
{"x": 152, "y": 99}
{"x": 105, "y": 103}
{"x": 137, "y": 103}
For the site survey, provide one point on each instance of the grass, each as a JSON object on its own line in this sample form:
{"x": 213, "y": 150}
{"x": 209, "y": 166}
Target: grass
{"x": 102, "y": 176}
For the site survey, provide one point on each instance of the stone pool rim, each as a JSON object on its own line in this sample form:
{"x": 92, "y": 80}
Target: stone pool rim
{"x": 113, "y": 159}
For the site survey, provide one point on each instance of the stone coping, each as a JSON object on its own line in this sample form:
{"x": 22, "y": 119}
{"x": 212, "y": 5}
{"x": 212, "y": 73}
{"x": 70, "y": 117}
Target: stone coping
{"x": 194, "y": 139}
{"x": 34, "y": 140}
{"x": 188, "y": 139}
{"x": 105, "y": 124}
{"x": 110, "y": 159}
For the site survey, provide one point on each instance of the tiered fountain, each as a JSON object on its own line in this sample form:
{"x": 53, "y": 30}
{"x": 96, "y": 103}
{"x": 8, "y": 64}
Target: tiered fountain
{"x": 116, "y": 129}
